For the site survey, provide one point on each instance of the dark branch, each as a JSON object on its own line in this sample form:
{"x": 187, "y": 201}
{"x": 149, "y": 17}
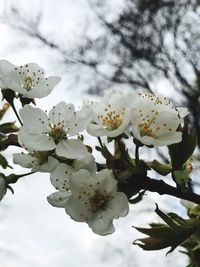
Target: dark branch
{"x": 162, "y": 188}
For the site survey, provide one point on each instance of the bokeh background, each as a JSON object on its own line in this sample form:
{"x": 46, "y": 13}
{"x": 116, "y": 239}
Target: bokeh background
{"x": 94, "y": 46}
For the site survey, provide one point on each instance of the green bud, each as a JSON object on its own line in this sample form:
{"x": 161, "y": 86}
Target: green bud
{"x": 8, "y": 127}
{"x": 162, "y": 169}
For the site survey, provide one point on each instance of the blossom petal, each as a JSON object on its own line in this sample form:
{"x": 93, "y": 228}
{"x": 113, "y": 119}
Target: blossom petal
{"x": 60, "y": 177}
{"x": 58, "y": 199}
{"x": 79, "y": 180}
{"x": 77, "y": 210}
{"x": 52, "y": 163}
{"x": 71, "y": 149}
{"x": 87, "y": 162}
{"x": 5, "y": 67}
{"x": 25, "y": 160}
{"x": 81, "y": 121}
{"x": 37, "y": 117}
{"x": 38, "y": 142}
{"x": 44, "y": 87}
{"x": 101, "y": 223}
{"x": 62, "y": 113}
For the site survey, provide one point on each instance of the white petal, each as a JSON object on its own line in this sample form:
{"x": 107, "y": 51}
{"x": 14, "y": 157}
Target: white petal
{"x": 118, "y": 206}
{"x": 31, "y": 162}
{"x": 53, "y": 163}
{"x": 33, "y": 69}
{"x": 106, "y": 181}
{"x": 61, "y": 113}
{"x": 167, "y": 120}
{"x": 81, "y": 121}
{"x": 77, "y": 210}
{"x": 101, "y": 222}
{"x": 5, "y": 68}
{"x": 100, "y": 226}
{"x": 168, "y": 139}
{"x": 87, "y": 162}
{"x": 35, "y": 142}
{"x": 37, "y": 117}
{"x": 60, "y": 177}
{"x": 58, "y": 199}
{"x": 183, "y": 112}
{"x": 43, "y": 88}
{"x": 81, "y": 182}
{"x": 25, "y": 160}
{"x": 97, "y": 130}
{"x": 13, "y": 80}
{"x": 71, "y": 149}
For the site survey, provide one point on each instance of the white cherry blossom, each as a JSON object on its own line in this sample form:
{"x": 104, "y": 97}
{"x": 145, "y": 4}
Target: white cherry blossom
{"x": 28, "y": 80}
{"x": 155, "y": 121}
{"x": 60, "y": 179}
{"x": 111, "y": 115}
{"x": 44, "y": 133}
{"x": 94, "y": 199}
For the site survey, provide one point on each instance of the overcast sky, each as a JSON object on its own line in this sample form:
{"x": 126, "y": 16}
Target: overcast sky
{"x": 33, "y": 233}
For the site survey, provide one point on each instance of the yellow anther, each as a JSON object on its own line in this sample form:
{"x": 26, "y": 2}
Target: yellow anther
{"x": 28, "y": 83}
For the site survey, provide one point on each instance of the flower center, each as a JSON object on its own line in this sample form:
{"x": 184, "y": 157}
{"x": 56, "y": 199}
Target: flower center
{"x": 57, "y": 132}
{"x": 145, "y": 130}
{"x": 28, "y": 83}
{"x": 112, "y": 120}
{"x": 145, "y": 127}
{"x": 98, "y": 202}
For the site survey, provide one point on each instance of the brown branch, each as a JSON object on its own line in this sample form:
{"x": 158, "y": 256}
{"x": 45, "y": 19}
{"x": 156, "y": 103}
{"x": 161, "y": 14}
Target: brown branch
{"x": 162, "y": 188}
{"x": 137, "y": 182}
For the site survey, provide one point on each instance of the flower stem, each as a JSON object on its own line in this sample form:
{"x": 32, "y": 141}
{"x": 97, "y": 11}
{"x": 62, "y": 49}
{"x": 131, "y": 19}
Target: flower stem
{"x": 100, "y": 142}
{"x": 15, "y": 111}
{"x": 137, "y": 159}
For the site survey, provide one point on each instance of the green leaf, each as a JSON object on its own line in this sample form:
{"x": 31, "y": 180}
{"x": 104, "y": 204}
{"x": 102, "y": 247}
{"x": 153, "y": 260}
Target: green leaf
{"x": 167, "y": 219}
{"x": 176, "y": 218}
{"x": 177, "y": 231}
{"x": 159, "y": 232}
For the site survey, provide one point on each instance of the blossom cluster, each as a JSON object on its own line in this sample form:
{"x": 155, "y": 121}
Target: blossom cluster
{"x": 53, "y": 142}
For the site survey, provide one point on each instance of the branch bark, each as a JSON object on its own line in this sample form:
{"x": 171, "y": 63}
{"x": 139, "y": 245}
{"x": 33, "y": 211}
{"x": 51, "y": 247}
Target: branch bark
{"x": 162, "y": 188}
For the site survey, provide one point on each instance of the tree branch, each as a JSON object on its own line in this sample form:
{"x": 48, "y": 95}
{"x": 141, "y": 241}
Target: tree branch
{"x": 162, "y": 188}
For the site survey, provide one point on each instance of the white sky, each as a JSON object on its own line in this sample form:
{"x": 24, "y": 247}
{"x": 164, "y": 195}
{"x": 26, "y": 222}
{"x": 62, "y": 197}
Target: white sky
{"x": 33, "y": 233}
